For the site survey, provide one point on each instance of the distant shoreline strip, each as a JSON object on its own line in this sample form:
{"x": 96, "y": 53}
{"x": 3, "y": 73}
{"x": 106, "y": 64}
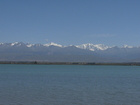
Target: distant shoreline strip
{"x": 69, "y": 63}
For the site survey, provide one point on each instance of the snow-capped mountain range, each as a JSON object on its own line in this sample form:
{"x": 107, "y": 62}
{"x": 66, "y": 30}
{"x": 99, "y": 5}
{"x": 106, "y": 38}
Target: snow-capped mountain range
{"x": 53, "y": 52}
{"x": 88, "y": 46}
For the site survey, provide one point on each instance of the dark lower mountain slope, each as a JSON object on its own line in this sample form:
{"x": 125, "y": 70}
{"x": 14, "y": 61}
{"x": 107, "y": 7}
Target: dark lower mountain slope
{"x": 50, "y": 54}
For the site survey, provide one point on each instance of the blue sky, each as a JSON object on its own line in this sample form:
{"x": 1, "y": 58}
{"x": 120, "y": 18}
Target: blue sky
{"x": 70, "y": 22}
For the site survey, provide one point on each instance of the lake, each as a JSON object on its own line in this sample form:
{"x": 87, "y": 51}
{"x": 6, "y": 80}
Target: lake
{"x": 69, "y": 85}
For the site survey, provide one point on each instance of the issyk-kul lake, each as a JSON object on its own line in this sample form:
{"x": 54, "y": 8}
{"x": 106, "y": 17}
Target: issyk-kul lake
{"x": 69, "y": 85}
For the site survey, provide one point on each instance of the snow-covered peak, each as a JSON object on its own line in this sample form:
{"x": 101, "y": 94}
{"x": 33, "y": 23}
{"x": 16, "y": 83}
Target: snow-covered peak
{"x": 52, "y": 44}
{"x": 1, "y": 43}
{"x": 101, "y": 47}
{"x": 126, "y": 46}
{"x": 93, "y": 47}
{"x": 12, "y": 44}
{"x": 29, "y": 45}
{"x": 16, "y": 44}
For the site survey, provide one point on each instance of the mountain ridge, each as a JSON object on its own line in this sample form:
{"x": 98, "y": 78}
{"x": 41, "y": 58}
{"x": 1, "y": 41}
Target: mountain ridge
{"x": 52, "y": 52}
{"x": 87, "y": 46}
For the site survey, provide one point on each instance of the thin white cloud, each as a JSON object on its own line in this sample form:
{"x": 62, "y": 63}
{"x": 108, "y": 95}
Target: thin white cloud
{"x": 46, "y": 40}
{"x": 103, "y": 35}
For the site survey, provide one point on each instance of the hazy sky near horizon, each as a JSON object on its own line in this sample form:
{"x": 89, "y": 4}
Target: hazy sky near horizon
{"x": 71, "y": 22}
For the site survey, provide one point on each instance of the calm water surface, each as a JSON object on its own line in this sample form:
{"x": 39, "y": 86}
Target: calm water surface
{"x": 69, "y": 85}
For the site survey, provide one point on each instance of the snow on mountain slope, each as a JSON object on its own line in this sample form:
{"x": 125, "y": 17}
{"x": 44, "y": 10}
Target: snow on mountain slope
{"x": 126, "y": 46}
{"x": 93, "y": 47}
{"x": 52, "y": 44}
{"x": 29, "y": 45}
{"x": 88, "y": 46}
{"x": 15, "y": 43}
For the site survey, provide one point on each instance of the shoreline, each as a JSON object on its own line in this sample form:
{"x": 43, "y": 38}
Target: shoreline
{"x": 71, "y": 63}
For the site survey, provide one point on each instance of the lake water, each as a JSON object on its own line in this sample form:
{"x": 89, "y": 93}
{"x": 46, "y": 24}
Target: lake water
{"x": 69, "y": 85}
